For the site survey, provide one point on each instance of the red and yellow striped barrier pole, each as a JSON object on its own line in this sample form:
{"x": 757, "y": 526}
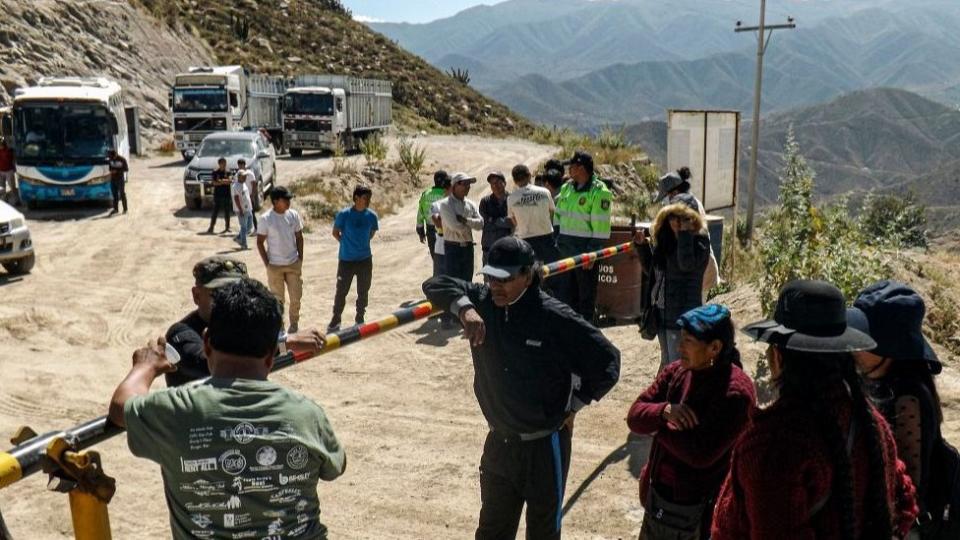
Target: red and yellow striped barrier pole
{"x": 25, "y": 458}
{"x": 566, "y": 265}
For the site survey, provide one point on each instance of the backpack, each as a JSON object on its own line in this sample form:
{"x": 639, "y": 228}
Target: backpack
{"x": 941, "y": 518}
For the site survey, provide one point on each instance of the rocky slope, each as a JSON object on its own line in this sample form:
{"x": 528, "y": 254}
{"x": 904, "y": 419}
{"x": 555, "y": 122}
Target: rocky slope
{"x": 96, "y": 37}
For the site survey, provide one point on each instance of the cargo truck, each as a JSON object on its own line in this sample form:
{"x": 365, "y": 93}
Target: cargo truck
{"x": 224, "y": 98}
{"x": 326, "y": 112}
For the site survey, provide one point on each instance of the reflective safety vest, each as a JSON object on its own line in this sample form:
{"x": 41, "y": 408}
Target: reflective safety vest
{"x": 427, "y": 198}
{"x": 585, "y": 213}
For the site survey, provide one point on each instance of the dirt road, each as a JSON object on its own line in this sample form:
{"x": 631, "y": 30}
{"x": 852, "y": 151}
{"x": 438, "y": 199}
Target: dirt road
{"x": 401, "y": 403}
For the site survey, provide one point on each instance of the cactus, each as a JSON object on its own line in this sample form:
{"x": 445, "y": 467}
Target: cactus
{"x": 241, "y": 27}
{"x": 460, "y": 75}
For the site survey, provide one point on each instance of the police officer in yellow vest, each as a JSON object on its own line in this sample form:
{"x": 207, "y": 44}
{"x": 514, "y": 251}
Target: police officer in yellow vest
{"x": 426, "y": 230}
{"x": 583, "y": 211}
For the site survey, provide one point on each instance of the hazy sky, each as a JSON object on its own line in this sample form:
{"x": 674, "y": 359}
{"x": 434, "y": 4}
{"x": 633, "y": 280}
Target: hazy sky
{"x": 409, "y": 10}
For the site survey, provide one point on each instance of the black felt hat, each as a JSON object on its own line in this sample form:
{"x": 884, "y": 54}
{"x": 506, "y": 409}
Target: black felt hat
{"x": 811, "y": 316}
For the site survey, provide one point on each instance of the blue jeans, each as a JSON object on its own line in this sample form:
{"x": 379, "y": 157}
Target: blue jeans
{"x": 246, "y": 224}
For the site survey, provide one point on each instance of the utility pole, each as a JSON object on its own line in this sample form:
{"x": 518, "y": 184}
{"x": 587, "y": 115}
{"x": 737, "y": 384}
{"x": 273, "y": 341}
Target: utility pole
{"x": 764, "y": 33}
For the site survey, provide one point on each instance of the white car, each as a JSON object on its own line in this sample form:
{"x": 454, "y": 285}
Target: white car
{"x": 16, "y": 247}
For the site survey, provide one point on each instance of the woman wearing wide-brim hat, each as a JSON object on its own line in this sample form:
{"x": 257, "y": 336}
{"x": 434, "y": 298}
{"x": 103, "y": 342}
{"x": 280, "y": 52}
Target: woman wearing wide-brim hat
{"x": 899, "y": 376}
{"x": 820, "y": 462}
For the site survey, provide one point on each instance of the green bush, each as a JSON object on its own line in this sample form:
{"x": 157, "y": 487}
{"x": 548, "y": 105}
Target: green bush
{"x": 894, "y": 220}
{"x": 373, "y": 149}
{"x": 803, "y": 241}
{"x": 412, "y": 157}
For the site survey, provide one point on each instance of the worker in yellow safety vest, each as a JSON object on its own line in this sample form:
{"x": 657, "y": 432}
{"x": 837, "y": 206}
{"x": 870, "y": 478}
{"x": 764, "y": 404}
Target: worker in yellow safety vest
{"x": 583, "y": 212}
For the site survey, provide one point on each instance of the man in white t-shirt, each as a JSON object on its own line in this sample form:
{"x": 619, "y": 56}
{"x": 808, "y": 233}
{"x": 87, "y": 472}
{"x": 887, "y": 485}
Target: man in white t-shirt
{"x": 250, "y": 179}
{"x": 531, "y": 209}
{"x": 243, "y": 207}
{"x": 281, "y": 249}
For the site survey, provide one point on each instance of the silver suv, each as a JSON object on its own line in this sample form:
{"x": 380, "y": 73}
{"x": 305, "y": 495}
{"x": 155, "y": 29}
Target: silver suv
{"x": 16, "y": 247}
{"x": 259, "y": 154}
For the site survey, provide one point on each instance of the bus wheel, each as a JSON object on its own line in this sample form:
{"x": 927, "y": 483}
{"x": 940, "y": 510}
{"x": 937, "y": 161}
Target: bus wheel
{"x": 296, "y": 152}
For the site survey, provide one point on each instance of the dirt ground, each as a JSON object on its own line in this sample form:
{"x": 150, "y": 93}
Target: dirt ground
{"x": 401, "y": 403}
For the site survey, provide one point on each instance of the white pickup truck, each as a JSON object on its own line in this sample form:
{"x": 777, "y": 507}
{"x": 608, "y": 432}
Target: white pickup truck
{"x": 16, "y": 247}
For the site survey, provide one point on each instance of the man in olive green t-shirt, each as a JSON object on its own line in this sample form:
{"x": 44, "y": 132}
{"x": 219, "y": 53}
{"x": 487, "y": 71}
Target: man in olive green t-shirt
{"x": 240, "y": 456}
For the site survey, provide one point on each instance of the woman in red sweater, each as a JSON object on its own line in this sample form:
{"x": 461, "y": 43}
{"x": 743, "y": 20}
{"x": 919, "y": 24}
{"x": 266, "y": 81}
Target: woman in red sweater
{"x": 696, "y": 408}
{"x": 820, "y": 463}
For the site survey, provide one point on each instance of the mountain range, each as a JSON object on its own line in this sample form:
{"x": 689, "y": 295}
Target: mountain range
{"x": 881, "y": 139}
{"x": 586, "y": 64}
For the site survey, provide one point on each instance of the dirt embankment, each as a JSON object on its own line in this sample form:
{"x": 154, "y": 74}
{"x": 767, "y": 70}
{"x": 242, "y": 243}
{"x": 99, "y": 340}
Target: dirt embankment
{"x": 96, "y": 38}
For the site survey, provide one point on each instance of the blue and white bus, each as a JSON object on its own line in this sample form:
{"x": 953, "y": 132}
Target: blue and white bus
{"x": 63, "y": 128}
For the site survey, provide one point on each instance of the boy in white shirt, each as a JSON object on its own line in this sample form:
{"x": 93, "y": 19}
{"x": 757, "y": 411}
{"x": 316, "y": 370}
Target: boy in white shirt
{"x": 242, "y": 206}
{"x": 281, "y": 250}
{"x": 250, "y": 179}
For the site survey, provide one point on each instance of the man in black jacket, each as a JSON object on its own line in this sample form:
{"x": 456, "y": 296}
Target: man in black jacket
{"x": 186, "y": 335}
{"x": 536, "y": 363}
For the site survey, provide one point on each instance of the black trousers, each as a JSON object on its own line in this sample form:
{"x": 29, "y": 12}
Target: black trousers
{"x": 346, "y": 271}
{"x": 432, "y": 244}
{"x": 118, "y": 188}
{"x": 458, "y": 260}
{"x": 221, "y": 204}
{"x": 578, "y": 289}
{"x": 545, "y": 248}
{"x": 514, "y": 472}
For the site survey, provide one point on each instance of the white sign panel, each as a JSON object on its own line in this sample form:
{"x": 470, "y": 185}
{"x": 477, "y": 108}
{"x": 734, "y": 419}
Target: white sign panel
{"x": 706, "y": 142}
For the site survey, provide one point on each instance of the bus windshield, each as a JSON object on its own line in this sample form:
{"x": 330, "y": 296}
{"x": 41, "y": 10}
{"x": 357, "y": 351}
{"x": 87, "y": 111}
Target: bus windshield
{"x": 319, "y": 104}
{"x": 226, "y": 147}
{"x": 75, "y": 132}
{"x": 199, "y": 100}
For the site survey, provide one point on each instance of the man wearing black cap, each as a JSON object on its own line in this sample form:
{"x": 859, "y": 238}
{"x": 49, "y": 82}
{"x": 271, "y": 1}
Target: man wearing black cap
{"x": 280, "y": 243}
{"x": 583, "y": 212}
{"x": 493, "y": 210}
{"x": 426, "y": 230}
{"x": 186, "y": 336}
{"x": 536, "y": 363}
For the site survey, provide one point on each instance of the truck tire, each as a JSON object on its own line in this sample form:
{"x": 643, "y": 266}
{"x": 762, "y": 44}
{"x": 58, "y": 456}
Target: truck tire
{"x": 33, "y": 205}
{"x": 193, "y": 203}
{"x": 20, "y": 266}
{"x": 296, "y": 152}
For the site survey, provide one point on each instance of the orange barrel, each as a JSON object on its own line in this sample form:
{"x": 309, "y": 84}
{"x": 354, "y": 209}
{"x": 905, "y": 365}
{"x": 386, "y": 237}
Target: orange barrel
{"x": 618, "y": 291}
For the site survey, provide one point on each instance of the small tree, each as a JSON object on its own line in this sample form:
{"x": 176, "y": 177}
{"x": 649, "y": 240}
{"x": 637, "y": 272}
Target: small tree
{"x": 802, "y": 241}
{"x": 896, "y": 220}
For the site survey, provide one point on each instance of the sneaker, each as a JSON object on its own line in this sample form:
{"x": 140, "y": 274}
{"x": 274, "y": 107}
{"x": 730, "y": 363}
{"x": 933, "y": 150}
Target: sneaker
{"x": 210, "y": 230}
{"x": 359, "y": 319}
{"x": 112, "y": 213}
{"x": 124, "y": 210}
{"x": 293, "y": 328}
{"x": 225, "y": 231}
{"x": 333, "y": 326}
